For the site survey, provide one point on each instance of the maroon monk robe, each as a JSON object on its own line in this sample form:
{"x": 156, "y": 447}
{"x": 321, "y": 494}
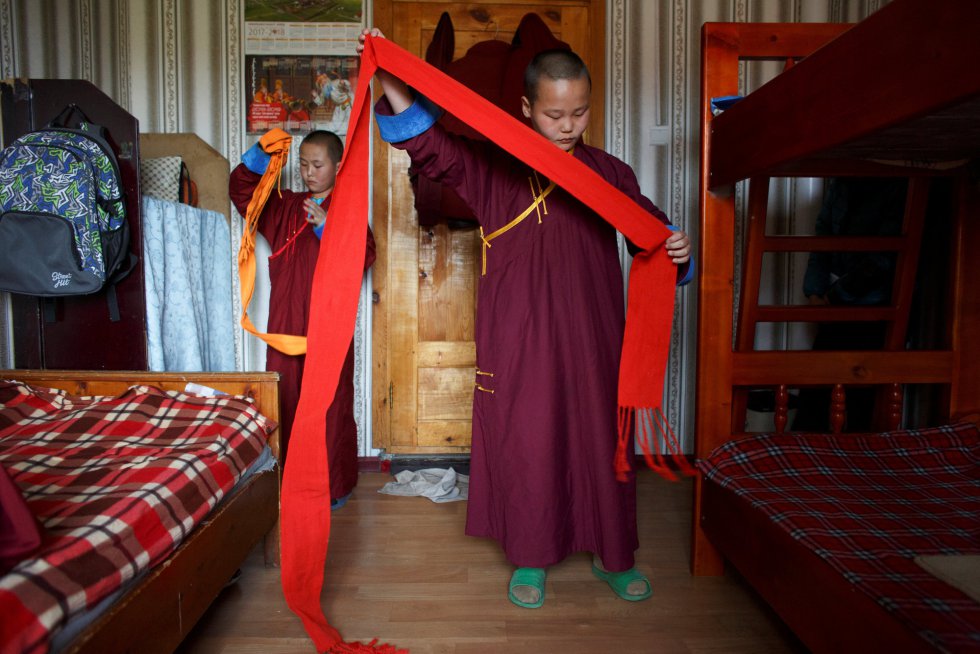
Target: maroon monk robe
{"x": 291, "y": 267}
{"x": 549, "y": 330}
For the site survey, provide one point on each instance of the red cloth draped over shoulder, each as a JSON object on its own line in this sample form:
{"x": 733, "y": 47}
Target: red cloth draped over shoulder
{"x": 306, "y": 497}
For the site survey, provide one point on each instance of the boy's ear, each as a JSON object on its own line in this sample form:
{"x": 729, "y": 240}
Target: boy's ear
{"x": 526, "y": 106}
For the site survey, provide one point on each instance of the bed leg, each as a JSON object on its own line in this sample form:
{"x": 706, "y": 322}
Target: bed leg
{"x": 706, "y": 560}
{"x": 272, "y": 547}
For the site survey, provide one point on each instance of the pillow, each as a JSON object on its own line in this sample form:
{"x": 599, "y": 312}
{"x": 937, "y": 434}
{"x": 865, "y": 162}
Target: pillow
{"x": 20, "y": 534}
{"x": 160, "y": 177}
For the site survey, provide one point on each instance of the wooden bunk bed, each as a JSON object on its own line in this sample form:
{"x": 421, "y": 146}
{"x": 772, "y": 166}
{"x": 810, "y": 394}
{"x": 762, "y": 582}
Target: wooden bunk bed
{"x": 895, "y": 95}
{"x": 157, "y": 610}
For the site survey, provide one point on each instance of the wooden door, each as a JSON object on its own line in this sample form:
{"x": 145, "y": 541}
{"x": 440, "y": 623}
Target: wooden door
{"x": 425, "y": 277}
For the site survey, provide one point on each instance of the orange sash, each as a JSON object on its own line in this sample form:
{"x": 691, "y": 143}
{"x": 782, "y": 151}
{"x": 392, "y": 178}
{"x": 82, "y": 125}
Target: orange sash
{"x": 276, "y": 144}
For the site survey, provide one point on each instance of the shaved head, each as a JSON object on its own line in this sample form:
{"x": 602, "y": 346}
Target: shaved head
{"x": 329, "y": 140}
{"x": 553, "y": 65}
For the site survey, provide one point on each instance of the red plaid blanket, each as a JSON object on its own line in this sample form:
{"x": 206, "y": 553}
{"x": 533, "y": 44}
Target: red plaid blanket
{"x": 868, "y": 504}
{"x": 117, "y": 483}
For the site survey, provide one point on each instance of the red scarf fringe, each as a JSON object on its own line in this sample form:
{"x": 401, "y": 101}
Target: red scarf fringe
{"x": 369, "y": 648}
{"x": 655, "y": 436}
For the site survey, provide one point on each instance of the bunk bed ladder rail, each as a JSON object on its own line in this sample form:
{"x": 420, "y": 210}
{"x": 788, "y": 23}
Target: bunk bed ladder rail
{"x": 895, "y": 314}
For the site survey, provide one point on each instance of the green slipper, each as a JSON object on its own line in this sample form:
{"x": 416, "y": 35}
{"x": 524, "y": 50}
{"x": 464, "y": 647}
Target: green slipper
{"x": 533, "y": 577}
{"x": 620, "y": 581}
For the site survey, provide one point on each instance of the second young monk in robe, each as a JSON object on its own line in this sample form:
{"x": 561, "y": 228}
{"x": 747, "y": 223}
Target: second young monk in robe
{"x": 550, "y": 319}
{"x": 292, "y": 224}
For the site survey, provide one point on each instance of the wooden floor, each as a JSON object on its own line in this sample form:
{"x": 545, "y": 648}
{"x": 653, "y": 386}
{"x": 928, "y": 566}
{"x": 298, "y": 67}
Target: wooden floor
{"x": 401, "y": 569}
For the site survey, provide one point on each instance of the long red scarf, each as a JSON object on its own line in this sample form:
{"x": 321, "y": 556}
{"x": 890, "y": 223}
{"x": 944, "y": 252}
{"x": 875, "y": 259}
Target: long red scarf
{"x": 337, "y": 280}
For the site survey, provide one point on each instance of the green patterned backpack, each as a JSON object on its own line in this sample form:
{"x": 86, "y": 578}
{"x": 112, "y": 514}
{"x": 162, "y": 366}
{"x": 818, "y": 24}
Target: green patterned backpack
{"x": 63, "y": 228}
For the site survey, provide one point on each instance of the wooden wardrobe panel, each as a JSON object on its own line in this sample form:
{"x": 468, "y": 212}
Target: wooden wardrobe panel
{"x": 81, "y": 336}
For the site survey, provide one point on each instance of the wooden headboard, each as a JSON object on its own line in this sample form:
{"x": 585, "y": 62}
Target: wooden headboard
{"x": 206, "y": 166}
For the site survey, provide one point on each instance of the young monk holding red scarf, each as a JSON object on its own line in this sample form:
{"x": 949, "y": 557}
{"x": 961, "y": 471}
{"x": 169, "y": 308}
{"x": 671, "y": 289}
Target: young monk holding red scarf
{"x": 550, "y": 321}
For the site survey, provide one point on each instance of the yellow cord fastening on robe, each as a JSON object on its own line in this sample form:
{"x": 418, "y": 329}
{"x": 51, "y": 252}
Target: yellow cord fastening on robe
{"x": 276, "y": 144}
{"x": 537, "y": 191}
{"x": 538, "y": 200}
{"x": 485, "y": 374}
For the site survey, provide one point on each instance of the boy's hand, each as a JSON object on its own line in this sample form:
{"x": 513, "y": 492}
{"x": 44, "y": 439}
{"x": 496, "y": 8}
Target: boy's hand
{"x": 678, "y": 247}
{"x": 399, "y": 97}
{"x": 315, "y": 214}
{"x": 372, "y": 31}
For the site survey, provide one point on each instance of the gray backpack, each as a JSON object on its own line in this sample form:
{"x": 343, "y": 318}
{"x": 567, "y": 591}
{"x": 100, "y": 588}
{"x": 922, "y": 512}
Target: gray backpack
{"x": 63, "y": 228}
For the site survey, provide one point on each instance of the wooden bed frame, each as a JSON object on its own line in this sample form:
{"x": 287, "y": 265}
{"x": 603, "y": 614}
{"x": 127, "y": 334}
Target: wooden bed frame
{"x": 900, "y": 86}
{"x": 207, "y": 167}
{"x": 157, "y": 614}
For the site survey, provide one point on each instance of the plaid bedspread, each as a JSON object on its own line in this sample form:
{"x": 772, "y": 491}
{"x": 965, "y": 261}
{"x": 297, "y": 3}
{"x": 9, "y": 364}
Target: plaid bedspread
{"x": 117, "y": 483}
{"x": 867, "y": 505}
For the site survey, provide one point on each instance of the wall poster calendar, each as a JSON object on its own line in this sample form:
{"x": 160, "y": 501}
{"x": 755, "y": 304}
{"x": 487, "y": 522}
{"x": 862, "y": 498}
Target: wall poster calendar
{"x": 300, "y": 66}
